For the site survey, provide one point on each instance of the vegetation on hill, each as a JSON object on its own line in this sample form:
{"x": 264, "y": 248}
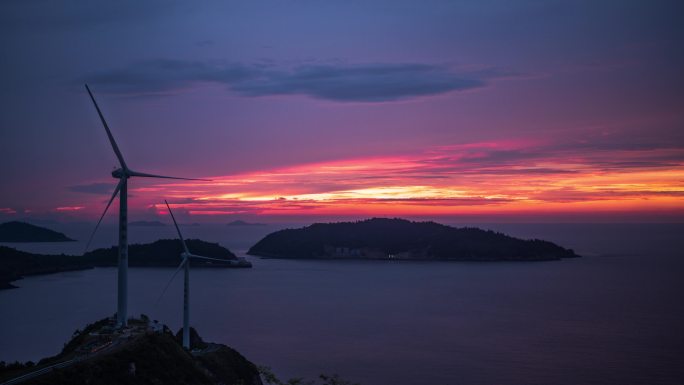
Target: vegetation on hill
{"x": 222, "y": 361}
{"x": 401, "y": 239}
{"x": 25, "y": 232}
{"x": 141, "y": 355}
{"x": 271, "y": 379}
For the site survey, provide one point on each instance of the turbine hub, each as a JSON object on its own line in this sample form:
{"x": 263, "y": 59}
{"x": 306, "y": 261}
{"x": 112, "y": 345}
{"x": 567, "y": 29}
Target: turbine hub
{"x": 119, "y": 173}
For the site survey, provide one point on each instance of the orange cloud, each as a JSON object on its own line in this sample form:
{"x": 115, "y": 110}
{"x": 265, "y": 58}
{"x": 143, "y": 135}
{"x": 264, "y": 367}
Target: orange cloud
{"x": 478, "y": 178}
{"x": 69, "y": 208}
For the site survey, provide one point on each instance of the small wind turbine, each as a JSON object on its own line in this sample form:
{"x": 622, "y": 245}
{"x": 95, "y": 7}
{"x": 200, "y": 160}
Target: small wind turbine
{"x": 122, "y": 174}
{"x": 185, "y": 264}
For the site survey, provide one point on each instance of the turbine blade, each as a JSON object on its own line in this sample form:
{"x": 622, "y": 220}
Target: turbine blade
{"x": 183, "y": 262}
{"x": 109, "y": 133}
{"x": 142, "y": 174}
{"x": 185, "y": 247}
{"x": 116, "y": 191}
{"x": 211, "y": 259}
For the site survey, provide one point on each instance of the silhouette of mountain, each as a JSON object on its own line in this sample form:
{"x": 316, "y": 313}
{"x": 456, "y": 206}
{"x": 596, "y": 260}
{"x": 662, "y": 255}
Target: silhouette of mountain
{"x": 146, "y": 224}
{"x": 243, "y": 223}
{"x": 383, "y": 238}
{"x": 25, "y": 232}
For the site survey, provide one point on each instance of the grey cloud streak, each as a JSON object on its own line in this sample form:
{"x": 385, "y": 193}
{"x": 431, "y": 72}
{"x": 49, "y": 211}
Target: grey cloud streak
{"x": 363, "y": 83}
{"x": 94, "y": 188}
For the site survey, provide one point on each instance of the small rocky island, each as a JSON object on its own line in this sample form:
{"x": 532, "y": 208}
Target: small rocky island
{"x": 16, "y": 231}
{"x": 383, "y": 238}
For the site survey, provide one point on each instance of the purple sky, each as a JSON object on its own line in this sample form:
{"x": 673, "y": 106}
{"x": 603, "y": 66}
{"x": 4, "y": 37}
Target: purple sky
{"x": 223, "y": 89}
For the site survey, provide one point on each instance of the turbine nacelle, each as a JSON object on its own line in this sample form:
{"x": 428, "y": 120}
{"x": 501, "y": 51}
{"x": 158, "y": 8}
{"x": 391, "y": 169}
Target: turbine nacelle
{"x": 119, "y": 173}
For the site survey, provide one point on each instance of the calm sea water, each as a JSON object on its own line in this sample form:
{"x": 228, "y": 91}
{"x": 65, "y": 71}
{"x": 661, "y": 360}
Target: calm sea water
{"x": 614, "y": 316}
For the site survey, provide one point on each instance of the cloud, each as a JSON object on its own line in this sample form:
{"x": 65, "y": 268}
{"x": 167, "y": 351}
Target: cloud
{"x": 361, "y": 83}
{"x": 379, "y": 82}
{"x": 7, "y": 210}
{"x": 69, "y": 208}
{"x": 94, "y": 188}
{"x": 506, "y": 176}
{"x": 50, "y": 15}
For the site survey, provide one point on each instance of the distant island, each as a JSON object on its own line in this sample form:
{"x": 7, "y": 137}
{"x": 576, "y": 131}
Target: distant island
{"x": 25, "y": 232}
{"x": 146, "y": 352}
{"x": 243, "y": 223}
{"x": 15, "y": 264}
{"x": 146, "y": 224}
{"x": 166, "y": 253}
{"x": 383, "y": 238}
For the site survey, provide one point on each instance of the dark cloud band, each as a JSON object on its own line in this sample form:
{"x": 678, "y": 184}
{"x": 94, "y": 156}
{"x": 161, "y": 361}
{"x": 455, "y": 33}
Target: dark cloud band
{"x": 342, "y": 83}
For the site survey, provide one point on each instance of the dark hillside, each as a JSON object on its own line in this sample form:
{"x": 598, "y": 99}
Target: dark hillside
{"x": 401, "y": 239}
{"x": 25, "y": 232}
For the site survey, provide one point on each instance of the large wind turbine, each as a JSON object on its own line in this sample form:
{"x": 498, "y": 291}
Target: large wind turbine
{"x": 122, "y": 174}
{"x": 185, "y": 264}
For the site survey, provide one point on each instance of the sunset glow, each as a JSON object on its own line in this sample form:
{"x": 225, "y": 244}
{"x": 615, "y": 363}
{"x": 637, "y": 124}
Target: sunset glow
{"x": 437, "y": 109}
{"x": 467, "y": 179}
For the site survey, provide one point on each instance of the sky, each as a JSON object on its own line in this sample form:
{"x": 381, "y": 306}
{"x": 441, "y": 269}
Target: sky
{"x": 530, "y": 111}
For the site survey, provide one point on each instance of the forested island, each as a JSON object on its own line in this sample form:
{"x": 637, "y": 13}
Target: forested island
{"x": 15, "y": 264}
{"x": 16, "y": 231}
{"x": 383, "y": 238}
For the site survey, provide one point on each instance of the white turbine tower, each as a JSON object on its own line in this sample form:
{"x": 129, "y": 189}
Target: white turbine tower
{"x": 122, "y": 174}
{"x": 185, "y": 264}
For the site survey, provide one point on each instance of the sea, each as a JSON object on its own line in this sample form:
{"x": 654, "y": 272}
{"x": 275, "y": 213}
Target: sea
{"x": 613, "y": 316}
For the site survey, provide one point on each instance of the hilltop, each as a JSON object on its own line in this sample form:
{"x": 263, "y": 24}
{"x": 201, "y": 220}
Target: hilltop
{"x": 16, "y": 231}
{"x": 145, "y": 352}
{"x": 383, "y": 238}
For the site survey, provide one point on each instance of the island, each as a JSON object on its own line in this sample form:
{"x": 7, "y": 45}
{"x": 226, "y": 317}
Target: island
{"x": 144, "y": 352}
{"x": 146, "y": 224}
{"x": 16, "y": 231}
{"x": 400, "y": 239}
{"x": 166, "y": 253}
{"x": 15, "y": 264}
{"x": 243, "y": 223}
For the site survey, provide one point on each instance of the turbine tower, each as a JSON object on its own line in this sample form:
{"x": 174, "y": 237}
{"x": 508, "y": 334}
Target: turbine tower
{"x": 123, "y": 174}
{"x": 185, "y": 264}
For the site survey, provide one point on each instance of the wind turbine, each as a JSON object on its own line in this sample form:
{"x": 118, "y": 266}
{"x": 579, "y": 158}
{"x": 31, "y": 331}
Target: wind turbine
{"x": 122, "y": 174}
{"x": 185, "y": 264}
